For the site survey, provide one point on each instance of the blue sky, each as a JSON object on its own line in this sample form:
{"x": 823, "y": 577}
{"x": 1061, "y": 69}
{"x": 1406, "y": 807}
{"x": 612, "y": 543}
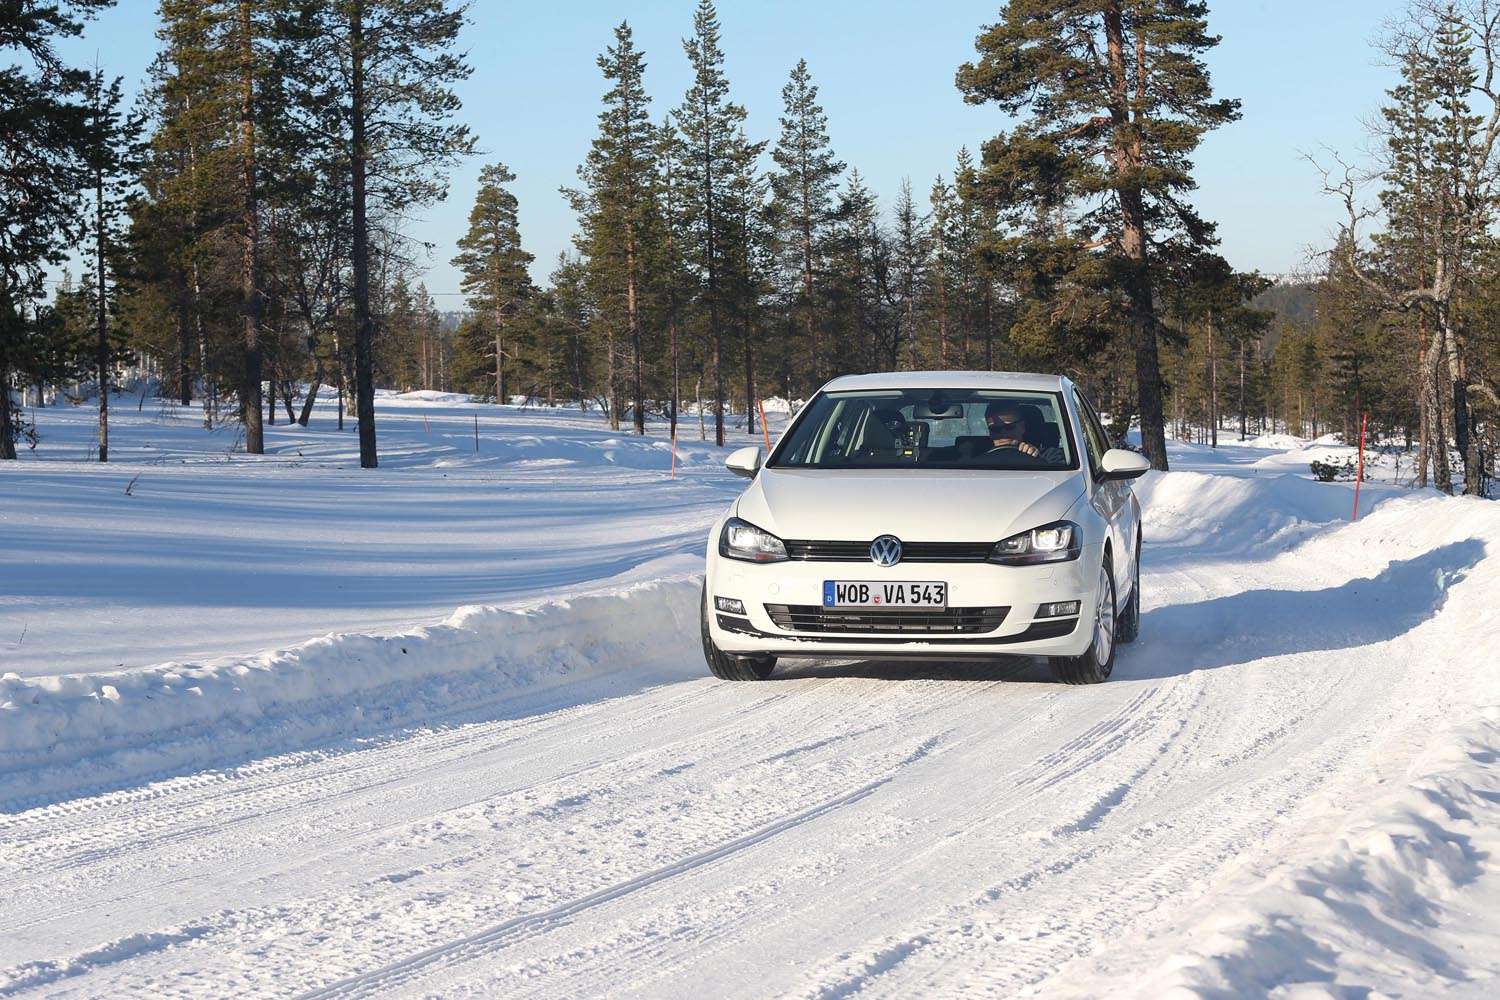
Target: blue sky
{"x": 1305, "y": 72}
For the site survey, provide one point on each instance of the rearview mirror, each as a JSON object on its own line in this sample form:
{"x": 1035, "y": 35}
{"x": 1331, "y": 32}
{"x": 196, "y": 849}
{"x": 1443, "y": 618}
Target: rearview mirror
{"x": 1119, "y": 463}
{"x": 744, "y": 462}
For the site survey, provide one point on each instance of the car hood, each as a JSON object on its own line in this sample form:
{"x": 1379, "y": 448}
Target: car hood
{"x": 927, "y": 506}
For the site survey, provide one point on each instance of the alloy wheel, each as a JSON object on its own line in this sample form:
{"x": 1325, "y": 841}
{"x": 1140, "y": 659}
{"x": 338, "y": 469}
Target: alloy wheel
{"x": 1104, "y": 620}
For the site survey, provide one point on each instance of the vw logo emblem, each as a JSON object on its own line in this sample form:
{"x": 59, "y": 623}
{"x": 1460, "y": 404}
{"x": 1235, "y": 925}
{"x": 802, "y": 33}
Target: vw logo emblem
{"x": 885, "y": 550}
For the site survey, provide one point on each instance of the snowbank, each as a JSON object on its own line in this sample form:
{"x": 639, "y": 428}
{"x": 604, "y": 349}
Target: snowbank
{"x": 433, "y": 396}
{"x": 1276, "y": 442}
{"x": 1387, "y": 892}
{"x": 64, "y": 733}
{"x": 1373, "y": 909}
{"x": 1202, "y": 514}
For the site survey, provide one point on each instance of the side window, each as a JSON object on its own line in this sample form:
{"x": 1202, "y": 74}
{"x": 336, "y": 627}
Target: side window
{"x": 1093, "y": 434}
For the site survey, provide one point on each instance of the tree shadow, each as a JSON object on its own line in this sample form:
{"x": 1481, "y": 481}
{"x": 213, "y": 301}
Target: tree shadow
{"x": 1254, "y": 624}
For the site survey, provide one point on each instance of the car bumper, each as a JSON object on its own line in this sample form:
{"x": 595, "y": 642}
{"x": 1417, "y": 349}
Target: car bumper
{"x": 1021, "y": 590}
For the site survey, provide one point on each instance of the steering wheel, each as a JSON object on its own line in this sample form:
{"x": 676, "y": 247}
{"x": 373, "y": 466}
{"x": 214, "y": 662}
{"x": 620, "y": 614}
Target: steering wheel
{"x": 1014, "y": 446}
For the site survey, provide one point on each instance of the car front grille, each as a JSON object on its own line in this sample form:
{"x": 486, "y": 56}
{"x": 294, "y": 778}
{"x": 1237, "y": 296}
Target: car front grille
{"x": 918, "y": 552}
{"x": 812, "y": 619}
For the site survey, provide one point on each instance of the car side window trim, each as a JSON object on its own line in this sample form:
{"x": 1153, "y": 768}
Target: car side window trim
{"x": 1093, "y": 431}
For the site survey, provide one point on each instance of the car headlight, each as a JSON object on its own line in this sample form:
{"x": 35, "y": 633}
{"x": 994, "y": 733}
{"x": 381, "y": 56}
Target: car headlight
{"x": 743, "y": 540}
{"x": 1056, "y": 542}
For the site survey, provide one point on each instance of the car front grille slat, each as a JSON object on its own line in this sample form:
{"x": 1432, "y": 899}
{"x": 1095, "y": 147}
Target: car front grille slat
{"x": 920, "y": 552}
{"x": 916, "y": 622}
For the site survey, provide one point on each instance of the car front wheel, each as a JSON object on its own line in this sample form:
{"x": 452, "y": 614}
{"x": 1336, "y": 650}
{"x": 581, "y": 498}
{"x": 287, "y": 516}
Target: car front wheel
{"x": 1094, "y": 666}
{"x": 726, "y": 666}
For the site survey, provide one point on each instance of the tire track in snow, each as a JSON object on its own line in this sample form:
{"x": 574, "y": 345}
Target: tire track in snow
{"x": 389, "y": 763}
{"x": 395, "y": 975}
{"x": 762, "y": 713}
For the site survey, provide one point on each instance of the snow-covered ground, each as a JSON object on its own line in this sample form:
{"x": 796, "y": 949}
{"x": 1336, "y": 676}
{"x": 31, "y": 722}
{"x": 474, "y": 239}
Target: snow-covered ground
{"x": 1288, "y": 786}
{"x": 216, "y": 552}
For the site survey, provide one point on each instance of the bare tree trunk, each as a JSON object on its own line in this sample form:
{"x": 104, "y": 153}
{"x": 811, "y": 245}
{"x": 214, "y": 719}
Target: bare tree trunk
{"x": 1242, "y": 390}
{"x": 637, "y": 356}
{"x": 943, "y": 323}
{"x": 749, "y": 383}
{"x": 1442, "y": 476}
{"x": 364, "y": 323}
{"x": 312, "y": 396}
{"x": 101, "y": 318}
{"x": 184, "y": 344}
{"x": 1424, "y": 430}
{"x": 270, "y": 375}
{"x": 499, "y": 357}
{"x": 1213, "y": 387}
{"x": 250, "y": 398}
{"x": 809, "y": 310}
{"x": 672, "y": 340}
{"x": 7, "y": 417}
{"x": 1463, "y": 429}
{"x": 342, "y": 369}
{"x": 612, "y": 380}
{"x": 989, "y": 327}
{"x": 698, "y": 395}
{"x": 1126, "y": 157}
{"x": 718, "y": 373}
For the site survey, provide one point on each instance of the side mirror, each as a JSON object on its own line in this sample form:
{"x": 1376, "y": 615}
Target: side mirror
{"x": 744, "y": 462}
{"x": 1121, "y": 464}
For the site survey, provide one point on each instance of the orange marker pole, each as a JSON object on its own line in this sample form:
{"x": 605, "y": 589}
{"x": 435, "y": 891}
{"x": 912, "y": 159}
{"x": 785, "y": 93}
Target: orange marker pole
{"x": 1359, "y": 476}
{"x": 763, "y": 428}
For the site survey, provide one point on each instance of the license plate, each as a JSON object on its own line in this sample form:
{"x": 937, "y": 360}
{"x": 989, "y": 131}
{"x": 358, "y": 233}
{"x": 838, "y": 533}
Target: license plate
{"x": 881, "y": 594}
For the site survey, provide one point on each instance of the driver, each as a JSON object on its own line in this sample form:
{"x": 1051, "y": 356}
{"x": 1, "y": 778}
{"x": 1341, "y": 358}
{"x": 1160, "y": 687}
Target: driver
{"x": 1010, "y": 428}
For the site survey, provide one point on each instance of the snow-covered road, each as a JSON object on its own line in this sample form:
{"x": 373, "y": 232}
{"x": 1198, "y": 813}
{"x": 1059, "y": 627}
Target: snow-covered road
{"x": 1290, "y": 780}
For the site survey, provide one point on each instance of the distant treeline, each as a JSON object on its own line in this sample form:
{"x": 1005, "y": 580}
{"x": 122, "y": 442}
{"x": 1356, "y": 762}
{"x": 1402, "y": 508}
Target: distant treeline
{"x": 244, "y": 227}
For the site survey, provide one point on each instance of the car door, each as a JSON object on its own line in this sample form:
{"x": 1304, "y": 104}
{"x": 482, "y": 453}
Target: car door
{"x": 1111, "y": 498}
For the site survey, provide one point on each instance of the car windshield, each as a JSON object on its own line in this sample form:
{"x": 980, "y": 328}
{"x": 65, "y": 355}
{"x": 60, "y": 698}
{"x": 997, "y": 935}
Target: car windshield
{"x": 930, "y": 429}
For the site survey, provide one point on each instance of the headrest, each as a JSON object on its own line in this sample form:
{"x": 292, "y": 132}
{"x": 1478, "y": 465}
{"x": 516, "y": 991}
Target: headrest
{"x": 875, "y": 435}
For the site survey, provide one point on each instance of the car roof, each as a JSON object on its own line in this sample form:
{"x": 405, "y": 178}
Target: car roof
{"x": 948, "y": 380}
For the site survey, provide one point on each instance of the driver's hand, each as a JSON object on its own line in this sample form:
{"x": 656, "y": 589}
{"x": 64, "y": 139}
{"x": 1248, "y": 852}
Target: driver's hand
{"x": 1027, "y": 448}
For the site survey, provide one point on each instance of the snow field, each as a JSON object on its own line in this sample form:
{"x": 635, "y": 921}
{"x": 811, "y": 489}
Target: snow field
{"x": 1287, "y": 788}
{"x": 217, "y": 554}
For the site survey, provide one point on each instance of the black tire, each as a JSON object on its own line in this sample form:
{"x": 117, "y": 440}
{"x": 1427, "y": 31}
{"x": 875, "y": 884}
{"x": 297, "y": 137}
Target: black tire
{"x": 725, "y": 666}
{"x": 1094, "y": 665}
{"x": 1129, "y": 626}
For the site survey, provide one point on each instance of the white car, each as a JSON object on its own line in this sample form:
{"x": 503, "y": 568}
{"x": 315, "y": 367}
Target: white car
{"x": 930, "y": 515}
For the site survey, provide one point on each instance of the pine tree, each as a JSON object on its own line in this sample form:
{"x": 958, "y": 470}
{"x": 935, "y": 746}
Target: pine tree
{"x": 493, "y": 263}
{"x": 1402, "y": 251}
{"x": 857, "y": 266}
{"x": 943, "y": 265}
{"x": 1112, "y": 97}
{"x": 973, "y": 233}
{"x": 391, "y": 66}
{"x": 1444, "y": 124}
{"x": 910, "y": 252}
{"x": 618, "y": 216}
{"x": 215, "y": 100}
{"x": 670, "y": 267}
{"x": 749, "y": 250}
{"x": 188, "y": 186}
{"x": 803, "y": 190}
{"x": 111, "y": 158}
{"x": 710, "y": 125}
{"x": 43, "y": 130}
